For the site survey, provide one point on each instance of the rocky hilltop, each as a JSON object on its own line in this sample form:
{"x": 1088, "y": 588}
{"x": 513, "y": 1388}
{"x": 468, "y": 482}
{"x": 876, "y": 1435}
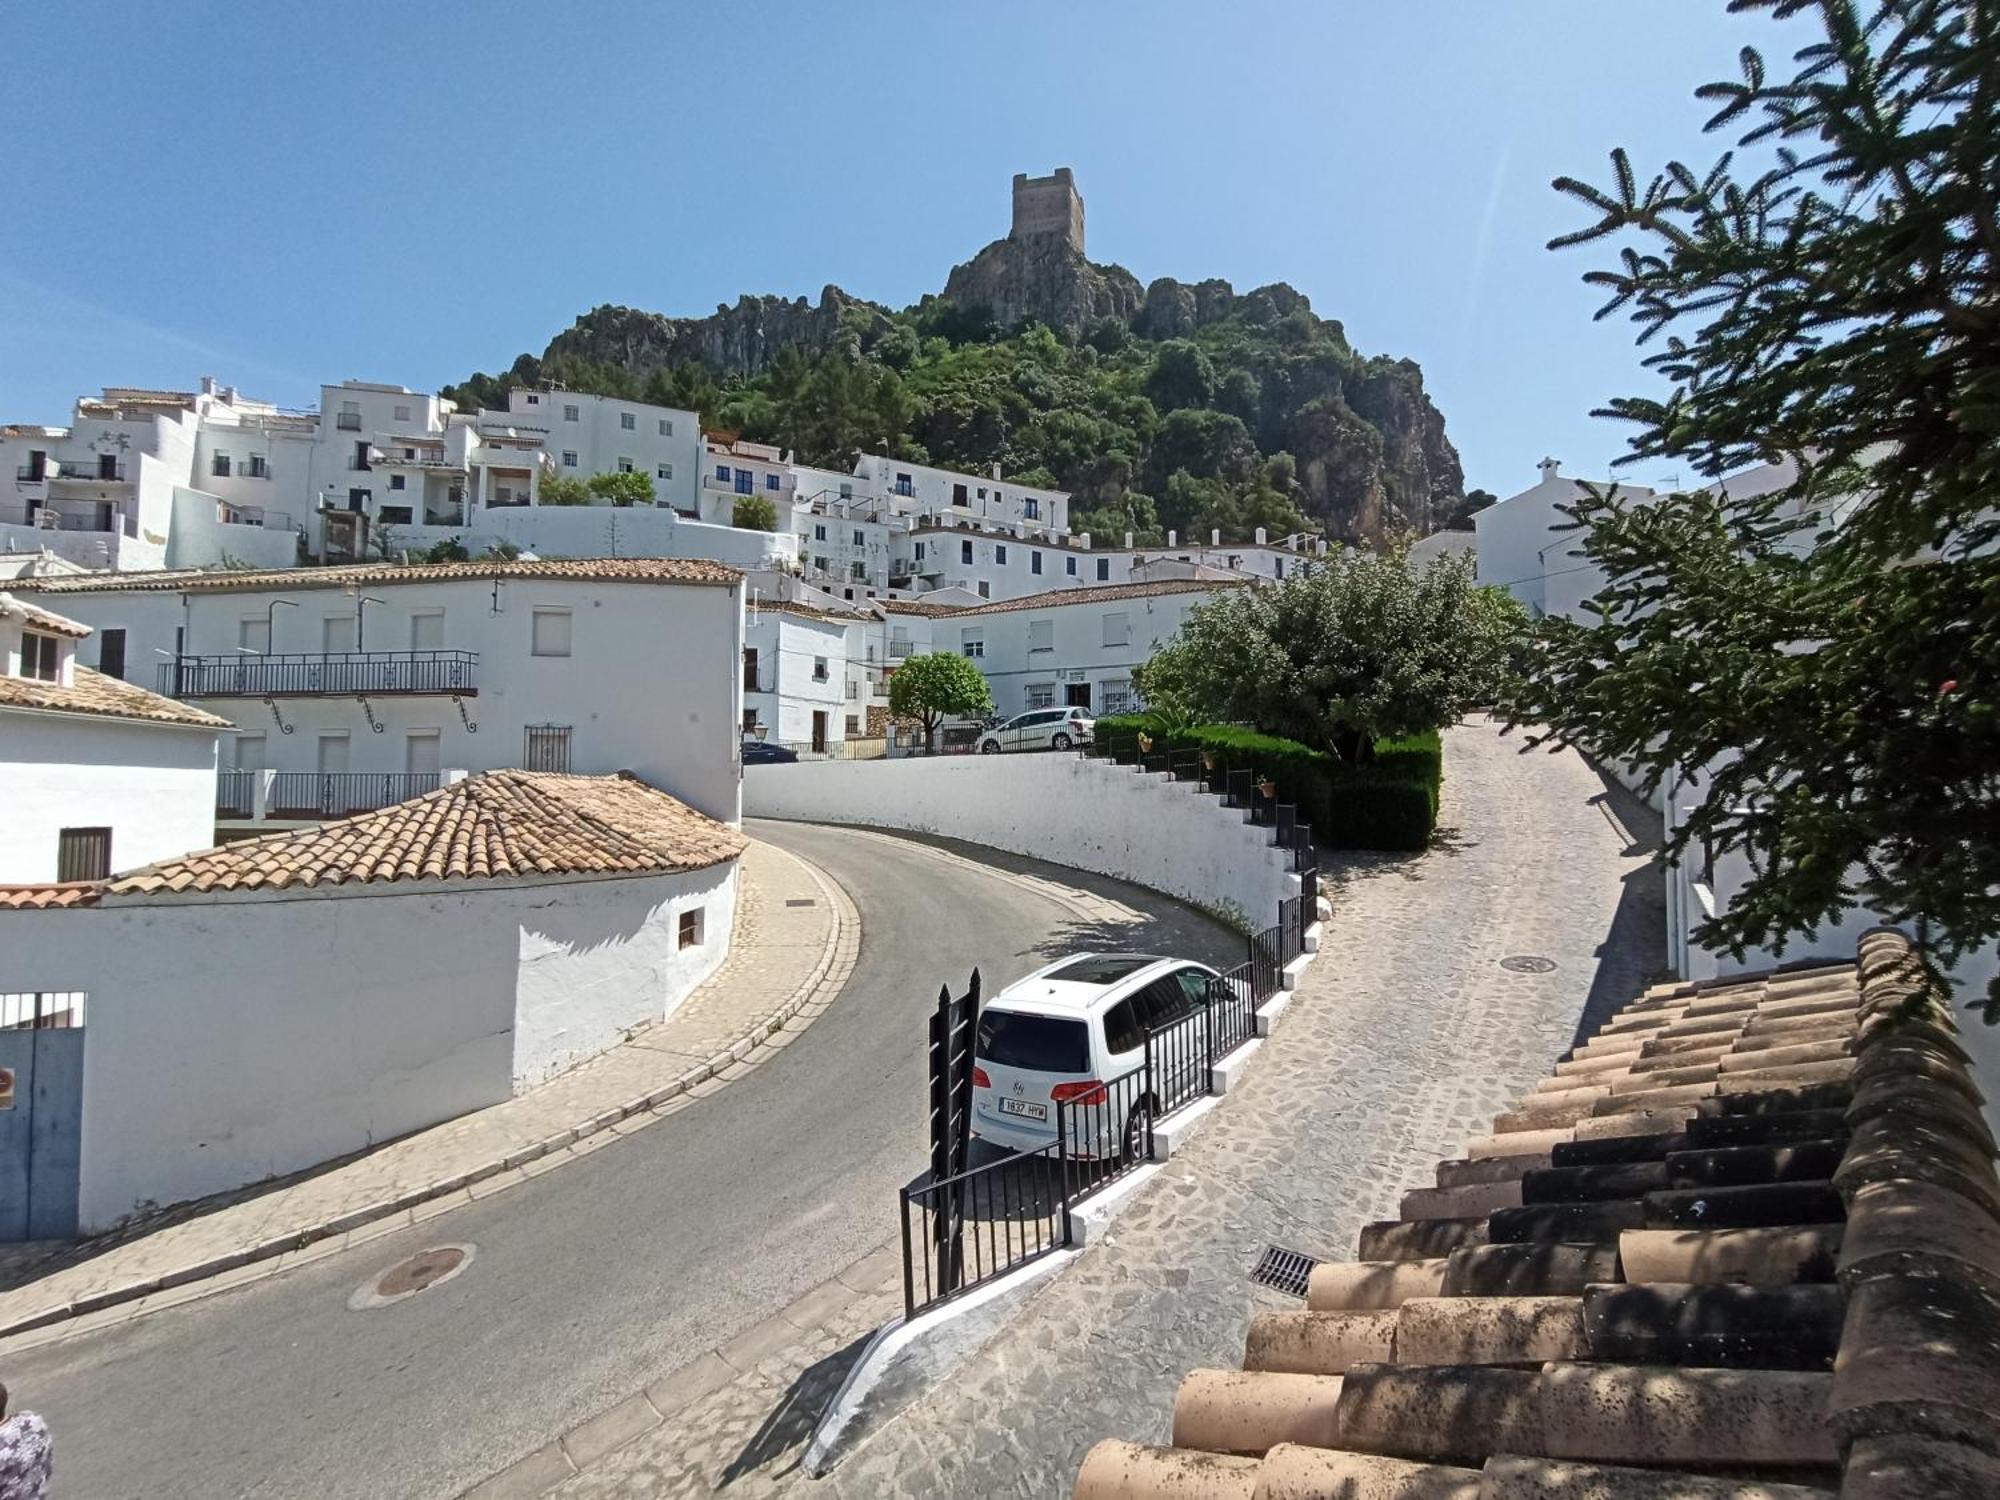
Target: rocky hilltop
{"x": 1172, "y": 405}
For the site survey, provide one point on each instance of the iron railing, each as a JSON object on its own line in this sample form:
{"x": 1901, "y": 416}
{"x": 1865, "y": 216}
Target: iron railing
{"x": 982, "y": 1224}
{"x": 101, "y": 473}
{"x": 235, "y": 793}
{"x": 1232, "y": 1011}
{"x": 325, "y": 675}
{"x": 335, "y": 794}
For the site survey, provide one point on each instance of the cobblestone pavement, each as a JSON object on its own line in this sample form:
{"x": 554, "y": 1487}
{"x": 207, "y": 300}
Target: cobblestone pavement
{"x": 1405, "y": 1038}
{"x": 786, "y": 962}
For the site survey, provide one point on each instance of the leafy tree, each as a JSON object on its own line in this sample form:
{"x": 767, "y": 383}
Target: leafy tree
{"x": 448, "y": 550}
{"x": 622, "y": 487}
{"x": 937, "y": 686}
{"x": 754, "y": 513}
{"x": 1820, "y": 658}
{"x": 1182, "y": 376}
{"x": 1342, "y": 653}
{"x": 564, "y": 489}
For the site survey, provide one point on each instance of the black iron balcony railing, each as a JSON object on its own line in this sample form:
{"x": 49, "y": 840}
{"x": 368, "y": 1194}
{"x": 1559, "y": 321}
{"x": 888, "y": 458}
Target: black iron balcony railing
{"x": 99, "y": 473}
{"x": 335, "y": 794}
{"x": 343, "y": 674}
{"x": 235, "y": 793}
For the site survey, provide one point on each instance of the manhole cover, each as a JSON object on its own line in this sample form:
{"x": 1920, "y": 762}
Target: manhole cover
{"x": 1528, "y": 963}
{"x": 1287, "y": 1270}
{"x": 426, "y": 1269}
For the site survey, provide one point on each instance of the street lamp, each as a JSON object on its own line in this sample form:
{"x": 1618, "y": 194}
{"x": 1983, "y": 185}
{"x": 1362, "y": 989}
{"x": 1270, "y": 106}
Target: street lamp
{"x": 270, "y": 628}
{"x": 360, "y": 614}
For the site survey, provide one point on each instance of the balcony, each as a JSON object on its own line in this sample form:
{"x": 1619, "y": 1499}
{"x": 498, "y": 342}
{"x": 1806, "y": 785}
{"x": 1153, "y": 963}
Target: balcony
{"x": 420, "y": 459}
{"x": 348, "y": 421}
{"x": 308, "y": 796}
{"x": 89, "y": 473}
{"x": 48, "y": 518}
{"x": 898, "y": 650}
{"x": 347, "y": 674}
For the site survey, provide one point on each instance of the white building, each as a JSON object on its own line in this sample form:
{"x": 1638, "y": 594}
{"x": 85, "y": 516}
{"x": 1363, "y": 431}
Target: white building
{"x": 95, "y": 773}
{"x": 799, "y": 688}
{"x": 357, "y": 687}
{"x": 929, "y": 491}
{"x": 256, "y": 1009}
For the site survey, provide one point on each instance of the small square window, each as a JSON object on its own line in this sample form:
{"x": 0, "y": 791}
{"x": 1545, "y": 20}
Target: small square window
{"x": 628, "y": 421}
{"x": 691, "y": 927}
{"x": 624, "y": 466}
{"x": 571, "y": 414}
{"x": 83, "y": 854}
{"x": 41, "y": 657}
{"x": 771, "y": 482}
{"x": 1070, "y": 566}
{"x": 664, "y": 471}
{"x": 569, "y": 458}
{"x": 666, "y": 427}
{"x": 819, "y": 531}
{"x": 402, "y": 414}
{"x": 999, "y": 553}
{"x": 854, "y": 726}
{"x": 819, "y": 669}
{"x": 550, "y": 633}
{"x": 396, "y": 481}
{"x": 860, "y": 537}
{"x": 1103, "y": 569}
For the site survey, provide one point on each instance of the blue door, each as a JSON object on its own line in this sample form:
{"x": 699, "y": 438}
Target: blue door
{"x": 41, "y": 1116}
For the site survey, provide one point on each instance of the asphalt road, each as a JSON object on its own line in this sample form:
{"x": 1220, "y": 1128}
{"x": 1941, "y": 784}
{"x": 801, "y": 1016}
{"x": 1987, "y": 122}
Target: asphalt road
{"x": 589, "y": 1281}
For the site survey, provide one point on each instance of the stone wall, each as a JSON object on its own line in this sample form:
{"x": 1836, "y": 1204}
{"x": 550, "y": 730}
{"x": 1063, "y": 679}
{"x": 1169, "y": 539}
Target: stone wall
{"x": 1048, "y": 205}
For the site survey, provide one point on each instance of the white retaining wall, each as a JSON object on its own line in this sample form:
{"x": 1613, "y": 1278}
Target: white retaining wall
{"x": 1087, "y": 814}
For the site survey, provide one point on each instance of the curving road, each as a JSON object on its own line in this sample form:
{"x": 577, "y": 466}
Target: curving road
{"x": 591, "y": 1280}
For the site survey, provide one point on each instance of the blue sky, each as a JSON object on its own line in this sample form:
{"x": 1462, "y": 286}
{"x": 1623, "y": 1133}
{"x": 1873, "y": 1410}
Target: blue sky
{"x": 280, "y": 195}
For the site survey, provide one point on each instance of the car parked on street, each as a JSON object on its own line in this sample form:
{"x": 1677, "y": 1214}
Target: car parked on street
{"x": 1040, "y": 729}
{"x": 758, "y": 753}
{"x": 1072, "y": 1032}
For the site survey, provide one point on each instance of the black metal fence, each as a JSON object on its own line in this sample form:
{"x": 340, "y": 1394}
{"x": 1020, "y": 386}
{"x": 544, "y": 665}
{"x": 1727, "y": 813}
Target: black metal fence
{"x": 980, "y": 1224}
{"x": 335, "y": 794}
{"x": 234, "y": 793}
{"x": 323, "y": 675}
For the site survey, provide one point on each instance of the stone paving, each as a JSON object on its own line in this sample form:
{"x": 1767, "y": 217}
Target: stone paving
{"x": 786, "y": 963}
{"x": 1405, "y": 1038}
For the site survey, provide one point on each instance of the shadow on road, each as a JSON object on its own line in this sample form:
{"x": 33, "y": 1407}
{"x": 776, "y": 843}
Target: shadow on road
{"x": 788, "y": 1426}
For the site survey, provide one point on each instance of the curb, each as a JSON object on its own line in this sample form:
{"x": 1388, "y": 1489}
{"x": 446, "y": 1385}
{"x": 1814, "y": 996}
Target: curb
{"x": 749, "y": 1041}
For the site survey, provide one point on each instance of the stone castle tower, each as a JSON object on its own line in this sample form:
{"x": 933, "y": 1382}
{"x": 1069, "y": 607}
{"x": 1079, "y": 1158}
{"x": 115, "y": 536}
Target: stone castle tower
{"x": 1048, "y": 205}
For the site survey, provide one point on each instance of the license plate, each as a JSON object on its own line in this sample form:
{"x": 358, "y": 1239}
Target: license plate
{"x": 1024, "y": 1109}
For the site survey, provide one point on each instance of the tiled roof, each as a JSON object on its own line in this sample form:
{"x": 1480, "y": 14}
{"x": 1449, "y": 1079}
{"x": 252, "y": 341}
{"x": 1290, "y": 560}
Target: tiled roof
{"x": 1743, "y": 1245}
{"x": 1106, "y": 593}
{"x": 41, "y": 619}
{"x": 918, "y": 607}
{"x": 50, "y": 894}
{"x": 371, "y": 575}
{"x": 807, "y": 612}
{"x": 498, "y": 825}
{"x": 93, "y": 693}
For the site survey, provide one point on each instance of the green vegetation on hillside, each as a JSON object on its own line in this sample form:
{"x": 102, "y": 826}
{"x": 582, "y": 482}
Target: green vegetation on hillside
{"x": 1245, "y": 424}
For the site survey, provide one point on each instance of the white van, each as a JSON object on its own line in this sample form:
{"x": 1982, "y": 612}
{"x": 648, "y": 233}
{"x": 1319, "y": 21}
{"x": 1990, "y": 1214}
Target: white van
{"x": 1068, "y": 1030}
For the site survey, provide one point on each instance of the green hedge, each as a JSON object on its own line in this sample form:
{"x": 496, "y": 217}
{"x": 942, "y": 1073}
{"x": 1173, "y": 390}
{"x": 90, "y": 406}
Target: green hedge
{"x": 1390, "y": 802}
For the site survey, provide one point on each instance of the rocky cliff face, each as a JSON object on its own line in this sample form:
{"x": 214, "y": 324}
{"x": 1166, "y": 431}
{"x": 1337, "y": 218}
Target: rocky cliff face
{"x": 1042, "y": 277}
{"x": 739, "y": 340}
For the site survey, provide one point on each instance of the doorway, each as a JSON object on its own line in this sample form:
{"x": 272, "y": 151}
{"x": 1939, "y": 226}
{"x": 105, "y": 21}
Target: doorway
{"x": 819, "y": 731}
{"x": 41, "y": 1114}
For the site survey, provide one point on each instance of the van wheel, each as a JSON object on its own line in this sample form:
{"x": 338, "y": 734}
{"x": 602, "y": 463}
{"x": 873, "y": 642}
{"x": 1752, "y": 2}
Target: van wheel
{"x": 1060, "y": 741}
{"x": 989, "y": 747}
{"x": 1132, "y": 1144}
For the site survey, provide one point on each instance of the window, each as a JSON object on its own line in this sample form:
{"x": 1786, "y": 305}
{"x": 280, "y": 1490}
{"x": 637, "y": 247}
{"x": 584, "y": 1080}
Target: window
{"x": 1122, "y": 1032}
{"x": 546, "y": 748}
{"x": 819, "y": 531}
{"x": 1041, "y": 635}
{"x": 1103, "y": 569}
{"x": 853, "y": 691}
{"x": 349, "y": 419}
{"x": 1278, "y": 563}
{"x": 253, "y": 633}
{"x": 332, "y": 754}
{"x": 819, "y": 564}
{"x": 972, "y": 642}
{"x": 958, "y": 495}
{"x": 746, "y": 482}
{"x": 402, "y": 414}
{"x": 666, "y": 427}
{"x": 336, "y": 633}
{"x": 985, "y": 589}
{"x": 663, "y": 471}
{"x": 1032, "y": 509}
{"x": 571, "y": 413}
{"x": 569, "y": 458}
{"x": 858, "y": 572}
{"x": 396, "y": 481}
{"x": 854, "y": 726}
{"x": 771, "y": 482}
{"x": 628, "y": 421}
{"x": 1118, "y": 697}
{"x": 982, "y": 492}
{"x": 111, "y": 652}
{"x": 722, "y": 472}
{"x": 550, "y": 632}
{"x": 1041, "y": 694}
{"x": 749, "y": 721}
{"x": 1118, "y": 629}
{"x": 999, "y": 553}
{"x": 1194, "y": 984}
{"x": 903, "y": 485}
{"x": 965, "y": 552}
{"x": 1070, "y": 566}
{"x": 427, "y": 630}
{"x": 395, "y": 515}
{"x": 624, "y": 466}
{"x": 421, "y": 756}
{"x": 860, "y": 537}
{"x": 534, "y": 401}
{"x": 40, "y": 656}
{"x": 219, "y": 465}
{"x": 249, "y": 752}
{"x": 920, "y": 551}
{"x": 1076, "y": 695}
{"x": 257, "y": 466}
{"x": 750, "y": 670}
{"x": 1039, "y": 1044}
{"x": 691, "y": 926}
{"x": 83, "y": 854}
{"x": 819, "y": 669}
{"x": 1035, "y": 563}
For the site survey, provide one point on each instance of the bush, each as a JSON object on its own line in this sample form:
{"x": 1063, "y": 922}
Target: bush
{"x": 1387, "y": 802}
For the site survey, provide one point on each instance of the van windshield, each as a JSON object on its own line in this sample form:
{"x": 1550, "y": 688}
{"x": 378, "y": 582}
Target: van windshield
{"x": 1040, "y": 1044}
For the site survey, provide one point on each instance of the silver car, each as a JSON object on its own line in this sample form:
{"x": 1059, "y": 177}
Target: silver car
{"x": 1040, "y": 729}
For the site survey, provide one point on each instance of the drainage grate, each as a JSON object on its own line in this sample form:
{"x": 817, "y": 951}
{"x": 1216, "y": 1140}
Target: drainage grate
{"x": 805, "y": 901}
{"x": 1528, "y": 963}
{"x": 1287, "y": 1270}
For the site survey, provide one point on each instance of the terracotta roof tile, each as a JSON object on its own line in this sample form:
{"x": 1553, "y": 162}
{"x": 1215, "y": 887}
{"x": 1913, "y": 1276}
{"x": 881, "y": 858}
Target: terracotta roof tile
{"x": 91, "y": 692}
{"x": 41, "y": 619}
{"x": 586, "y": 569}
{"x": 1106, "y": 593}
{"x": 54, "y": 893}
{"x": 1645, "y": 1303}
{"x": 503, "y": 824}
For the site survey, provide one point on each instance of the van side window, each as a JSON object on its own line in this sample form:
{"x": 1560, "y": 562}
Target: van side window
{"x": 1162, "y": 1003}
{"x": 1195, "y": 983}
{"x": 1121, "y": 1028}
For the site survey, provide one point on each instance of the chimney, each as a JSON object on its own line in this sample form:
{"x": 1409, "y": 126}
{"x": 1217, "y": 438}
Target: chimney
{"x": 1084, "y": 541}
{"x": 1173, "y": 539}
{"x": 996, "y": 471}
{"x": 1260, "y": 536}
{"x": 1550, "y": 469}
{"x": 208, "y": 385}
{"x": 1215, "y": 538}
{"x": 1128, "y": 541}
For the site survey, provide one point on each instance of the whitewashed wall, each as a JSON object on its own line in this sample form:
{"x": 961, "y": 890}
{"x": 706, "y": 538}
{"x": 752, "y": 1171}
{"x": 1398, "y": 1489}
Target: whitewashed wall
{"x": 152, "y": 785}
{"x": 605, "y": 531}
{"x": 1087, "y": 814}
{"x": 231, "y": 1039}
